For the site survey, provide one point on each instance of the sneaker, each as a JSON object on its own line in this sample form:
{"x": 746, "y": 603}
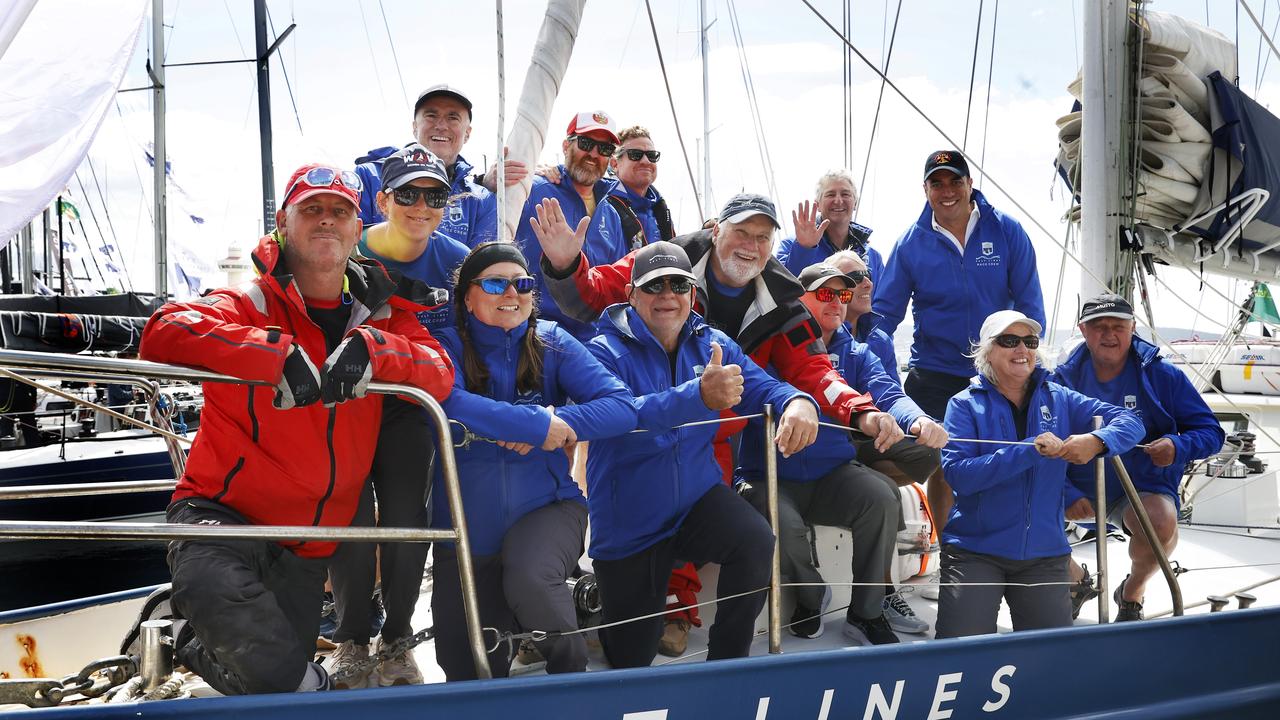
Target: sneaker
{"x": 1082, "y": 592}
{"x": 157, "y": 606}
{"x": 529, "y": 654}
{"x": 675, "y": 638}
{"x": 807, "y": 622}
{"x": 400, "y": 669}
{"x": 901, "y": 617}
{"x": 1126, "y": 610}
{"x": 875, "y": 631}
{"x": 328, "y": 624}
{"x": 929, "y": 586}
{"x": 342, "y": 662}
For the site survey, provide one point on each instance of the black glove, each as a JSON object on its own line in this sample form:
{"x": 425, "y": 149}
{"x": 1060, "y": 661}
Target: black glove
{"x": 299, "y": 382}
{"x": 347, "y": 371}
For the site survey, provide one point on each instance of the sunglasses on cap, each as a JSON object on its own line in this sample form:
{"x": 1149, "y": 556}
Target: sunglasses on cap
{"x": 325, "y": 177}
{"x": 436, "y": 197}
{"x": 678, "y": 285}
{"x": 498, "y": 285}
{"x": 634, "y": 155}
{"x": 586, "y": 144}
{"x": 826, "y": 294}
{"x": 1011, "y": 341}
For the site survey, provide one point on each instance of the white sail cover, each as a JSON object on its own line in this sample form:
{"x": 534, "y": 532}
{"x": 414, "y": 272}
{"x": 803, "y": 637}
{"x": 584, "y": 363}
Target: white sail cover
{"x": 57, "y": 81}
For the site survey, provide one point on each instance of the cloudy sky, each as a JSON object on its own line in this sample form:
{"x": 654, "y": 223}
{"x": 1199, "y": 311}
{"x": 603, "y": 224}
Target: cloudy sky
{"x": 352, "y": 70}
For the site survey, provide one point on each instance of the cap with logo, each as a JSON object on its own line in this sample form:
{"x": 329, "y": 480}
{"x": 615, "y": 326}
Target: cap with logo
{"x": 951, "y": 160}
{"x": 660, "y": 259}
{"x": 1106, "y": 305}
{"x": 447, "y": 91}
{"x": 594, "y": 121}
{"x": 747, "y": 205}
{"x": 817, "y": 275}
{"x": 999, "y": 321}
{"x": 412, "y": 162}
{"x": 320, "y": 179}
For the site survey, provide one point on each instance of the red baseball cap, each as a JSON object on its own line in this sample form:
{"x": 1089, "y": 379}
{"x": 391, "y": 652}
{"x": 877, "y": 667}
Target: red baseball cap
{"x": 595, "y": 121}
{"x": 316, "y": 179}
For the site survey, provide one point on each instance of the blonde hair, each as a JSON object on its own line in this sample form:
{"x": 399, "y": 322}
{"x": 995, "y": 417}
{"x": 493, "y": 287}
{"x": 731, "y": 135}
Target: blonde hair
{"x": 635, "y": 131}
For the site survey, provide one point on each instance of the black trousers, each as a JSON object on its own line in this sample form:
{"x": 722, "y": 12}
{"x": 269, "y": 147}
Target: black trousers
{"x": 721, "y": 527}
{"x": 401, "y": 481}
{"x": 931, "y": 389}
{"x": 254, "y": 606}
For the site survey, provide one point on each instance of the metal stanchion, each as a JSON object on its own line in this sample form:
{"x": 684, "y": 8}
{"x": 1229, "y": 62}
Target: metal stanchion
{"x": 775, "y": 574}
{"x": 1157, "y": 548}
{"x": 1100, "y": 513}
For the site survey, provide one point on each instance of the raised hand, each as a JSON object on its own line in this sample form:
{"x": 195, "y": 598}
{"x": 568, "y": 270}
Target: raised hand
{"x": 721, "y": 385}
{"x": 561, "y": 243}
{"x": 808, "y": 230}
{"x": 559, "y": 434}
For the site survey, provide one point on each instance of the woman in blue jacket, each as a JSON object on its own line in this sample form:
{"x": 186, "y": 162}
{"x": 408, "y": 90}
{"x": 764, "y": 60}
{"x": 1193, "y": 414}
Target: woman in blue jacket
{"x": 526, "y": 517}
{"x": 1007, "y": 522}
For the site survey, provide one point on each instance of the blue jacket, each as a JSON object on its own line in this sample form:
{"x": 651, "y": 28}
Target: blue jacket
{"x": 1009, "y": 497}
{"x": 796, "y": 257}
{"x": 604, "y": 245}
{"x": 1169, "y": 407}
{"x": 435, "y": 267}
{"x": 880, "y": 343}
{"x": 470, "y": 218}
{"x": 644, "y": 208}
{"x": 640, "y": 486}
{"x": 951, "y": 295}
{"x": 499, "y": 486}
{"x": 862, "y": 370}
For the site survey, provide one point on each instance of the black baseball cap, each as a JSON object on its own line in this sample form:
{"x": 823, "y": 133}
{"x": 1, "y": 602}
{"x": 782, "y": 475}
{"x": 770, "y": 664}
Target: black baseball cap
{"x": 410, "y": 163}
{"x": 951, "y": 160}
{"x": 817, "y": 275}
{"x": 747, "y": 205}
{"x": 1106, "y": 305}
{"x": 660, "y": 259}
{"x": 447, "y": 90}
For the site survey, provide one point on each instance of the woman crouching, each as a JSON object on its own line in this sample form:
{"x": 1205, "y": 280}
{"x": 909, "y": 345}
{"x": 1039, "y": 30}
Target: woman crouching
{"x": 526, "y": 518}
{"x": 1004, "y": 537}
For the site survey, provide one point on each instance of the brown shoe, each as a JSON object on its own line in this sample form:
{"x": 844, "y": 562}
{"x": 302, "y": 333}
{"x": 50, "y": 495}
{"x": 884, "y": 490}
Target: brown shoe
{"x": 528, "y": 653}
{"x": 675, "y": 638}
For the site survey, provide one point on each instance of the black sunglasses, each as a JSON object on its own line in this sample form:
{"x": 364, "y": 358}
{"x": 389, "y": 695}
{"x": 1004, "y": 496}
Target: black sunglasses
{"x": 859, "y": 275}
{"x": 634, "y": 155}
{"x": 436, "y": 197}
{"x": 1011, "y": 341}
{"x": 678, "y": 285}
{"x": 586, "y": 144}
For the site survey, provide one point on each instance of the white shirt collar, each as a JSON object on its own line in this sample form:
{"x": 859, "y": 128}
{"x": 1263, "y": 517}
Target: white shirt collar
{"x": 968, "y": 231}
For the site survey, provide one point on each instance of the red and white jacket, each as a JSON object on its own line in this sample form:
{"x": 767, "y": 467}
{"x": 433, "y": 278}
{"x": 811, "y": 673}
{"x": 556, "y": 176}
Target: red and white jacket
{"x": 307, "y": 465}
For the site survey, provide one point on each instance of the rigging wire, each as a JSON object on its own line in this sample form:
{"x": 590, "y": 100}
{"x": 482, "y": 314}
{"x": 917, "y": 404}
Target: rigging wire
{"x": 1261, "y": 31}
{"x": 884, "y": 79}
{"x": 762, "y": 141}
{"x": 1257, "y": 58}
{"x": 635, "y": 17}
{"x": 846, "y": 80}
{"x": 115, "y": 240}
{"x": 973, "y": 71}
{"x": 396, "y": 58}
{"x": 285, "y": 72}
{"x": 1266, "y": 60}
{"x": 369, "y": 42}
{"x": 675, "y": 119}
{"x": 991, "y": 66}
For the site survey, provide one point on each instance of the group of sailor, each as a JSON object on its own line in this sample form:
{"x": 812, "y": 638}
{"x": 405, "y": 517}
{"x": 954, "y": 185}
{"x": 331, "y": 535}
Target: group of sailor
{"x": 600, "y": 325}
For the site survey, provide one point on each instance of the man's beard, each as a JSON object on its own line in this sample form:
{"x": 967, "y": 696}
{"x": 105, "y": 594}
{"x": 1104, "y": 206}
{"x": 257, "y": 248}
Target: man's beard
{"x": 739, "y": 272}
{"x": 582, "y": 173}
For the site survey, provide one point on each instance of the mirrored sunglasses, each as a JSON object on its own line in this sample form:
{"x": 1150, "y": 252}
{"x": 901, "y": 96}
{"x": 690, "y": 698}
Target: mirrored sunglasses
{"x": 498, "y": 285}
{"x": 678, "y": 285}
{"x": 1011, "y": 341}
{"x": 436, "y": 197}
{"x": 826, "y": 294}
{"x": 634, "y": 155}
{"x": 586, "y": 144}
{"x": 324, "y": 177}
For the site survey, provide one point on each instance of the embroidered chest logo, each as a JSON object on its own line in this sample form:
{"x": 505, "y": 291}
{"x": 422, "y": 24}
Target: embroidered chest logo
{"x": 988, "y": 256}
{"x": 1046, "y": 416}
{"x": 1130, "y": 402}
{"x": 455, "y": 213}
{"x": 529, "y": 397}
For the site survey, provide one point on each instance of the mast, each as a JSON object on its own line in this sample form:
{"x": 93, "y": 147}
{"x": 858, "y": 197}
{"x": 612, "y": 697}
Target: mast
{"x": 706, "y": 108}
{"x": 264, "y": 113}
{"x": 158, "y": 154}
{"x": 1105, "y": 26}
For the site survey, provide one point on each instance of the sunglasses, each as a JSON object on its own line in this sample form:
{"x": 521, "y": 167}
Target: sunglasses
{"x": 678, "y": 285}
{"x": 826, "y": 294}
{"x": 498, "y": 285}
{"x": 436, "y": 197}
{"x": 586, "y": 144}
{"x": 1011, "y": 341}
{"x": 859, "y": 275}
{"x": 324, "y": 177}
{"x": 634, "y": 155}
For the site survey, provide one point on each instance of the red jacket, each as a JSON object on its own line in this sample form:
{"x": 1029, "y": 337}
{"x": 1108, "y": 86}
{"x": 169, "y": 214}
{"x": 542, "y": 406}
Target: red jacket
{"x": 307, "y": 465}
{"x": 777, "y": 332}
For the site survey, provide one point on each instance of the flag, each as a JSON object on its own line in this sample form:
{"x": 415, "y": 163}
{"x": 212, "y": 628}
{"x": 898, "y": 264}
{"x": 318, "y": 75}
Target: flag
{"x": 71, "y": 211}
{"x": 1264, "y": 306}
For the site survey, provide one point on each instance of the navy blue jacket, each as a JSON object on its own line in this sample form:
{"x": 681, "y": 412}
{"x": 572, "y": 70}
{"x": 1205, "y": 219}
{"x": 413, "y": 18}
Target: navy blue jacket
{"x": 470, "y": 218}
{"x": 640, "y": 486}
{"x": 643, "y": 208}
{"x": 880, "y": 343}
{"x": 796, "y": 257}
{"x": 500, "y": 486}
{"x": 1169, "y": 407}
{"x": 1009, "y": 497}
{"x": 951, "y": 295}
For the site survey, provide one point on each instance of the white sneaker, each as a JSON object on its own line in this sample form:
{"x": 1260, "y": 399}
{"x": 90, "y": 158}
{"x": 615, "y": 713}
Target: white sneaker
{"x": 929, "y": 587}
{"x": 901, "y": 617}
{"x": 340, "y": 663}
{"x": 399, "y": 669}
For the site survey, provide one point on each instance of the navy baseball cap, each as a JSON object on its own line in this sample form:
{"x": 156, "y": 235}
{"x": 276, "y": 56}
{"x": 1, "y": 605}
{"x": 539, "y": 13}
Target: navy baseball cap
{"x": 747, "y": 205}
{"x": 412, "y": 162}
{"x": 951, "y": 160}
{"x": 1106, "y": 305}
{"x": 446, "y": 90}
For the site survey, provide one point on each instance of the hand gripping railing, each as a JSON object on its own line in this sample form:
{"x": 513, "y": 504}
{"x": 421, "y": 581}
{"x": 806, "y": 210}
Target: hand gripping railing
{"x": 112, "y": 369}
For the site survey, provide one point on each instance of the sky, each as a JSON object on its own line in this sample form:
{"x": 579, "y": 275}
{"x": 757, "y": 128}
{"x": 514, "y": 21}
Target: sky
{"x": 353, "y": 70}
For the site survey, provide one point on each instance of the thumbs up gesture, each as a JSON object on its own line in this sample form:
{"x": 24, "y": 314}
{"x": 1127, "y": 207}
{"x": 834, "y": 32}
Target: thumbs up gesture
{"x": 721, "y": 384}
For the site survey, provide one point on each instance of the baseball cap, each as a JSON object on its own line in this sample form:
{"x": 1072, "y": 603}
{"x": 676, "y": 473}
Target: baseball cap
{"x": 412, "y": 162}
{"x": 660, "y": 259}
{"x": 817, "y": 275}
{"x": 999, "y": 321}
{"x": 442, "y": 89}
{"x": 318, "y": 179}
{"x": 1106, "y": 305}
{"x": 946, "y": 160}
{"x": 746, "y": 205}
{"x": 594, "y": 121}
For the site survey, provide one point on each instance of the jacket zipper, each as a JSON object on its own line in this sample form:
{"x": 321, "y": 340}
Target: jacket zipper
{"x": 333, "y": 465}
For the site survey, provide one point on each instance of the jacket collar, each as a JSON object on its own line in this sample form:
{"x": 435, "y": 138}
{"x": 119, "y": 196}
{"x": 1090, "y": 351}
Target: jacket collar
{"x": 623, "y": 319}
{"x": 869, "y": 321}
{"x": 1039, "y": 377}
{"x": 985, "y": 212}
{"x": 369, "y": 285}
{"x": 638, "y": 203}
{"x": 1141, "y": 350}
{"x": 460, "y": 175}
{"x": 491, "y": 336}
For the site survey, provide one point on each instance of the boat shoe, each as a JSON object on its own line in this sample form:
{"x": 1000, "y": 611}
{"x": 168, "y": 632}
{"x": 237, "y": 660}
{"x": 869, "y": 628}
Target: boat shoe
{"x": 1126, "y": 610}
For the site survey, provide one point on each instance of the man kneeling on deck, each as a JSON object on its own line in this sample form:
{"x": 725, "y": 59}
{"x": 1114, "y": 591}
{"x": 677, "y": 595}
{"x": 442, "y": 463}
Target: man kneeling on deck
{"x": 319, "y": 327}
{"x": 656, "y": 498}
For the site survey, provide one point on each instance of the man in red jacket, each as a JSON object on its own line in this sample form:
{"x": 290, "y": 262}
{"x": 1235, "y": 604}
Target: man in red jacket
{"x": 319, "y": 327}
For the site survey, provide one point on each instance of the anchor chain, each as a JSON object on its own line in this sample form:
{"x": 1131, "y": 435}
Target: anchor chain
{"x": 387, "y": 652}
{"x": 47, "y": 692}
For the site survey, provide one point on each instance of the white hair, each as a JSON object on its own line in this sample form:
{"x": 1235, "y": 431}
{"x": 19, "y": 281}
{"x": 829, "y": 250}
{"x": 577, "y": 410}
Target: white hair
{"x": 981, "y": 362}
{"x": 845, "y": 254}
{"x": 830, "y": 175}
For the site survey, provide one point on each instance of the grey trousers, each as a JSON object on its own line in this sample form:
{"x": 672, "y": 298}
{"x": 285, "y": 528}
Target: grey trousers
{"x": 851, "y": 496}
{"x": 972, "y": 609}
